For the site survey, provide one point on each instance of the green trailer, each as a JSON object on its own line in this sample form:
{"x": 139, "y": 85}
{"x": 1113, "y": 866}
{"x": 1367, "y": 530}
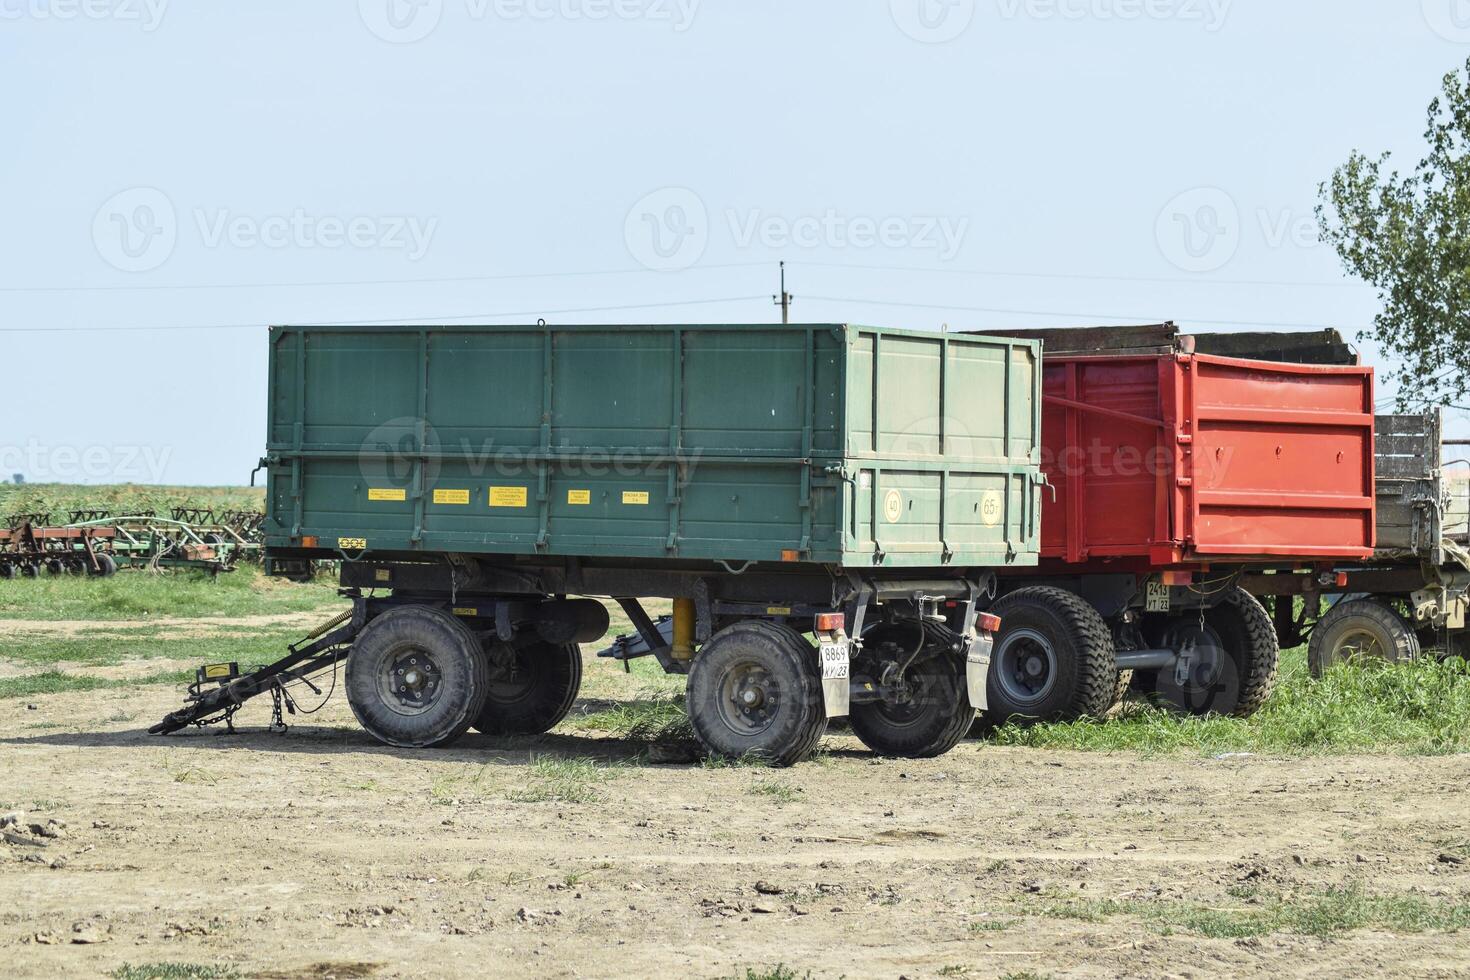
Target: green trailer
{"x": 483, "y": 486}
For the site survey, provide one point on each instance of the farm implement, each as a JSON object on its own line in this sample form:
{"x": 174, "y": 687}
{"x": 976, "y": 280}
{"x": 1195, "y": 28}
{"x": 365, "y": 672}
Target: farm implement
{"x": 96, "y": 543}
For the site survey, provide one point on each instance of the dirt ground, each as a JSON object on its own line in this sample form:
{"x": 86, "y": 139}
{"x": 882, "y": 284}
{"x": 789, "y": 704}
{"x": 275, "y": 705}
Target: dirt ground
{"x": 323, "y": 854}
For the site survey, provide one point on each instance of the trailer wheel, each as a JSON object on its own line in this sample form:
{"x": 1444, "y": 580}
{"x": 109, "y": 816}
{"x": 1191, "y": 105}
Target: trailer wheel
{"x": 1235, "y": 665}
{"x": 106, "y": 566}
{"x": 416, "y": 677}
{"x": 30, "y": 570}
{"x": 933, "y": 711}
{"x": 1053, "y": 659}
{"x": 1360, "y": 628}
{"x": 532, "y": 687}
{"x": 55, "y": 566}
{"x": 754, "y": 690}
{"x": 7, "y": 571}
{"x": 1121, "y": 684}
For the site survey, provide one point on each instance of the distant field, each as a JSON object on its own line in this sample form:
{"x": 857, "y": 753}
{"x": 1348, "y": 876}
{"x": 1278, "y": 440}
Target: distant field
{"x": 59, "y": 498}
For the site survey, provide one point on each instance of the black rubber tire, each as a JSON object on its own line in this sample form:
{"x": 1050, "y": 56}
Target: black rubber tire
{"x": 780, "y": 653}
{"x": 939, "y": 716}
{"x": 538, "y": 696}
{"x": 1248, "y": 672}
{"x": 1085, "y": 665}
{"x": 1121, "y": 685}
{"x": 55, "y": 566}
{"x": 30, "y": 571}
{"x": 106, "y": 566}
{"x": 1392, "y": 637}
{"x": 463, "y": 677}
{"x": 7, "y": 571}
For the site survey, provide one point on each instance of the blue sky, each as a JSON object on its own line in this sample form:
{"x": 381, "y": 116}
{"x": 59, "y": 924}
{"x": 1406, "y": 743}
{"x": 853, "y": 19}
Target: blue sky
{"x": 212, "y": 168}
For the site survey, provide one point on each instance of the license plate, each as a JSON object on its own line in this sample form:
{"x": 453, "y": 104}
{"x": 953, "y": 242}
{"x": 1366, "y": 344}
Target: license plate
{"x": 1156, "y": 598}
{"x": 835, "y": 662}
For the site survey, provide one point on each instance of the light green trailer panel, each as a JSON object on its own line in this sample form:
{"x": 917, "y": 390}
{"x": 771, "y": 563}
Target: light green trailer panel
{"x": 833, "y": 444}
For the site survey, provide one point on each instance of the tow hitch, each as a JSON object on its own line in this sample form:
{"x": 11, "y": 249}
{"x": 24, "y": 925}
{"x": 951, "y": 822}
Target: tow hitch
{"x": 219, "y": 690}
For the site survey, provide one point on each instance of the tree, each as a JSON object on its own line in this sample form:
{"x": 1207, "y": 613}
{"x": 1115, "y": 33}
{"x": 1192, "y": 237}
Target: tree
{"x": 1410, "y": 238}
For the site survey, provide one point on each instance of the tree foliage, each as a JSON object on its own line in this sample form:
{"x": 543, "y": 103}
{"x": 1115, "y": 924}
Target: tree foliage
{"x": 1409, "y": 236}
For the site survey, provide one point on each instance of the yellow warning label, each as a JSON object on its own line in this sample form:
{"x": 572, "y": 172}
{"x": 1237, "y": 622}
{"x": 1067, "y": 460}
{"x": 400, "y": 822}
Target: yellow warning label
{"x": 466, "y": 611}
{"x": 381, "y": 493}
{"x": 382, "y": 575}
{"x": 639, "y": 497}
{"x": 217, "y": 670}
{"x": 507, "y": 496}
{"x": 352, "y": 544}
{"x": 579, "y": 496}
{"x": 778, "y": 610}
{"x": 451, "y": 496}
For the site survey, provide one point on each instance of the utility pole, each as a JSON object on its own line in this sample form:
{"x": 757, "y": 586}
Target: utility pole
{"x": 785, "y": 299}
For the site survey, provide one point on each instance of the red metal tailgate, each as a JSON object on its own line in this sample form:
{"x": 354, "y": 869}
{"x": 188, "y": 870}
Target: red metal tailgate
{"x": 1187, "y": 458}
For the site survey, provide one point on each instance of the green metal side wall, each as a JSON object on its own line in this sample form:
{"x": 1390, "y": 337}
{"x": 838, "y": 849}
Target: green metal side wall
{"x": 843, "y": 445}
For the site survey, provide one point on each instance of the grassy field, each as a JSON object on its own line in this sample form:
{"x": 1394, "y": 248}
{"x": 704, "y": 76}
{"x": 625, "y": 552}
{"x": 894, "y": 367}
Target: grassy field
{"x": 140, "y": 594}
{"x": 59, "y": 498}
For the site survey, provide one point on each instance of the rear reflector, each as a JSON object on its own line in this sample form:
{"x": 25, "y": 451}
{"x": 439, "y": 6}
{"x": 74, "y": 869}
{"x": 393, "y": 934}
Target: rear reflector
{"x": 1342, "y": 579}
{"x": 830, "y": 622}
{"x": 1178, "y": 578}
{"x": 988, "y": 623}
{"x": 309, "y": 541}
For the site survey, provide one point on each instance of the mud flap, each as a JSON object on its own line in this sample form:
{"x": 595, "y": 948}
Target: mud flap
{"x": 836, "y": 656}
{"x": 977, "y": 669}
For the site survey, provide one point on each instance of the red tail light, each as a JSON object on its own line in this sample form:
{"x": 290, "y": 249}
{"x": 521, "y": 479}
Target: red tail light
{"x": 830, "y": 622}
{"x": 989, "y": 623}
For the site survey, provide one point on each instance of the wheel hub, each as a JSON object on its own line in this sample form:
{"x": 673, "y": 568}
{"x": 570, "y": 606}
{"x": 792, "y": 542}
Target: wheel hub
{"x": 1361, "y": 643}
{"x": 751, "y": 699}
{"x": 414, "y": 679}
{"x": 1026, "y": 666}
{"x": 1201, "y": 656}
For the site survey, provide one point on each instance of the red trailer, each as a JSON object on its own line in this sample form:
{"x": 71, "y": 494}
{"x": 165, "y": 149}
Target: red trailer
{"x": 1175, "y": 460}
{"x": 1173, "y": 473}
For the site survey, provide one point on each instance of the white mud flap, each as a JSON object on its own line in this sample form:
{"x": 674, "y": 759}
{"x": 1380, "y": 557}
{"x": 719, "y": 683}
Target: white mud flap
{"x": 836, "y": 653}
{"x": 977, "y": 669}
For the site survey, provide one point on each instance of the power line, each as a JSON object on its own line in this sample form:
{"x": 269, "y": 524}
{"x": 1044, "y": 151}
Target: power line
{"x": 387, "y": 320}
{"x": 700, "y": 267}
{"x": 1087, "y": 277}
{"x": 441, "y": 280}
{"x": 1132, "y": 318}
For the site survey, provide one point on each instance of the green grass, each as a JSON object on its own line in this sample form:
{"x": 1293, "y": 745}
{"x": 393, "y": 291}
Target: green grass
{"x": 135, "y": 594}
{"x": 778, "y": 972}
{"x": 123, "y": 498}
{"x": 780, "y": 793}
{"x": 1419, "y": 708}
{"x": 174, "y": 971}
{"x": 54, "y": 682}
{"x": 651, "y": 716}
{"x": 1324, "y": 914}
{"x": 563, "y": 781}
{"x": 247, "y": 648}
